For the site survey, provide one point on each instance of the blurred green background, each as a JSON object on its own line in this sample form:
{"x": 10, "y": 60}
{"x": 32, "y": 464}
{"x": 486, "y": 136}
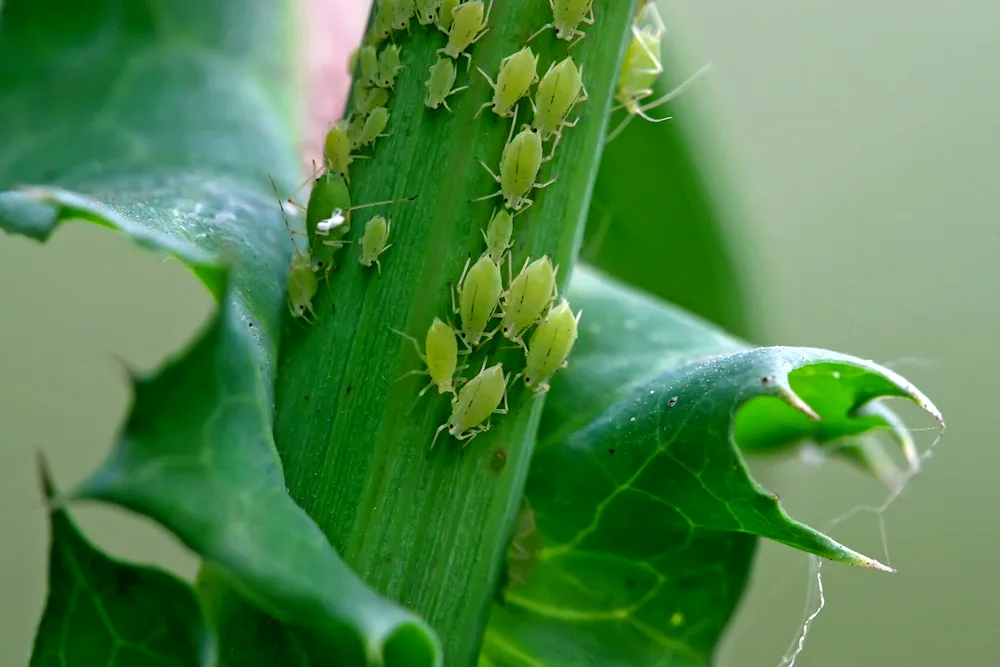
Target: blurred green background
{"x": 865, "y": 140}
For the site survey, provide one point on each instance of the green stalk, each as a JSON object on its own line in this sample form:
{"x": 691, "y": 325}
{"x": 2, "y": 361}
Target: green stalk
{"x": 429, "y": 528}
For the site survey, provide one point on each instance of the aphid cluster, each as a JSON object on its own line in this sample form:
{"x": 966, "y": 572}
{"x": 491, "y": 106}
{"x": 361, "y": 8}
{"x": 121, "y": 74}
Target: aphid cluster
{"x": 526, "y": 308}
{"x": 479, "y": 297}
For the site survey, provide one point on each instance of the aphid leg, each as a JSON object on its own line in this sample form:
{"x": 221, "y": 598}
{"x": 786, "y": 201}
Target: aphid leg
{"x": 545, "y": 27}
{"x": 579, "y": 34}
{"x": 539, "y": 186}
{"x": 494, "y": 175}
{"x": 468, "y": 56}
{"x": 437, "y": 433}
{"x": 492, "y": 85}
{"x": 473, "y": 433}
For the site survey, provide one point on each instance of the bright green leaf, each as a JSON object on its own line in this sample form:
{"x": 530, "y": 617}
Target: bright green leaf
{"x": 102, "y": 612}
{"x": 165, "y": 120}
{"x": 646, "y": 515}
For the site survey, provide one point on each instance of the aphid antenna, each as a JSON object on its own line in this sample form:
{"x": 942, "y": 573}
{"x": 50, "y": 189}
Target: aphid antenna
{"x": 676, "y": 91}
{"x": 383, "y": 203}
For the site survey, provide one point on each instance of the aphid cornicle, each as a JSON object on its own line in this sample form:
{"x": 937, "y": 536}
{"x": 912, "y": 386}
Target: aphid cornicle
{"x": 518, "y": 72}
{"x": 368, "y": 59}
{"x": 558, "y": 92}
{"x": 446, "y": 14}
{"x": 497, "y": 235}
{"x": 550, "y": 346}
{"x": 468, "y": 25}
{"x": 375, "y": 126}
{"x": 440, "y": 357}
{"x": 373, "y": 243}
{"x": 402, "y": 13}
{"x": 382, "y": 24}
{"x": 427, "y": 11}
{"x": 477, "y": 400}
{"x": 526, "y": 298}
{"x": 388, "y": 67}
{"x": 519, "y": 165}
{"x": 479, "y": 290}
{"x": 439, "y": 85}
{"x": 567, "y": 15}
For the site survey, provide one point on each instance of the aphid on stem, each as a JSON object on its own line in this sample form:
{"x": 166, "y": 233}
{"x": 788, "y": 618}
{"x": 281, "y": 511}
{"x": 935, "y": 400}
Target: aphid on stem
{"x": 497, "y": 235}
{"x": 427, "y": 11}
{"x": 337, "y": 150}
{"x": 365, "y": 99}
{"x": 558, "y": 92}
{"x": 526, "y": 297}
{"x": 439, "y": 85}
{"x": 368, "y": 59}
{"x": 373, "y": 243}
{"x": 477, "y": 400}
{"x": 641, "y": 68}
{"x": 382, "y": 24}
{"x": 478, "y": 289}
{"x": 518, "y": 72}
{"x": 519, "y": 165}
{"x": 440, "y": 357}
{"x": 375, "y": 126}
{"x": 402, "y": 13}
{"x": 388, "y": 67}
{"x": 468, "y": 25}
{"x": 301, "y": 279}
{"x": 328, "y": 218}
{"x": 550, "y": 346}
{"x": 567, "y": 15}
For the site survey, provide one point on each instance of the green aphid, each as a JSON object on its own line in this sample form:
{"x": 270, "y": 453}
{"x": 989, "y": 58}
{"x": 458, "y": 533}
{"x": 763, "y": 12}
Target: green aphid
{"x": 497, "y": 235}
{"x": 369, "y": 71}
{"x": 550, "y": 346}
{"x": 388, "y": 67}
{"x": 427, "y": 11}
{"x": 373, "y": 243}
{"x": 385, "y": 12}
{"x": 477, "y": 400}
{"x": 468, "y": 26}
{"x": 375, "y": 126}
{"x": 439, "y": 85}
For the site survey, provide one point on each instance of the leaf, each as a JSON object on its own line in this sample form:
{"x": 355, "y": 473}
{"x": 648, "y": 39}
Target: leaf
{"x": 663, "y": 216}
{"x": 101, "y": 611}
{"x": 425, "y": 527}
{"x": 646, "y": 515}
{"x": 163, "y": 121}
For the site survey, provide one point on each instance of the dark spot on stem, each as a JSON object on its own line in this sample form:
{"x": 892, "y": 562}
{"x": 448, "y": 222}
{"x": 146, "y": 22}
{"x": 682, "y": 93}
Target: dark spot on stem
{"x": 348, "y": 390}
{"x": 672, "y": 401}
{"x": 611, "y": 451}
{"x": 499, "y": 460}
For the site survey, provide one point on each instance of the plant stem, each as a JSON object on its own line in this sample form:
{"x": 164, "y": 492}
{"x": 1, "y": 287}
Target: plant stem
{"x": 429, "y": 528}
